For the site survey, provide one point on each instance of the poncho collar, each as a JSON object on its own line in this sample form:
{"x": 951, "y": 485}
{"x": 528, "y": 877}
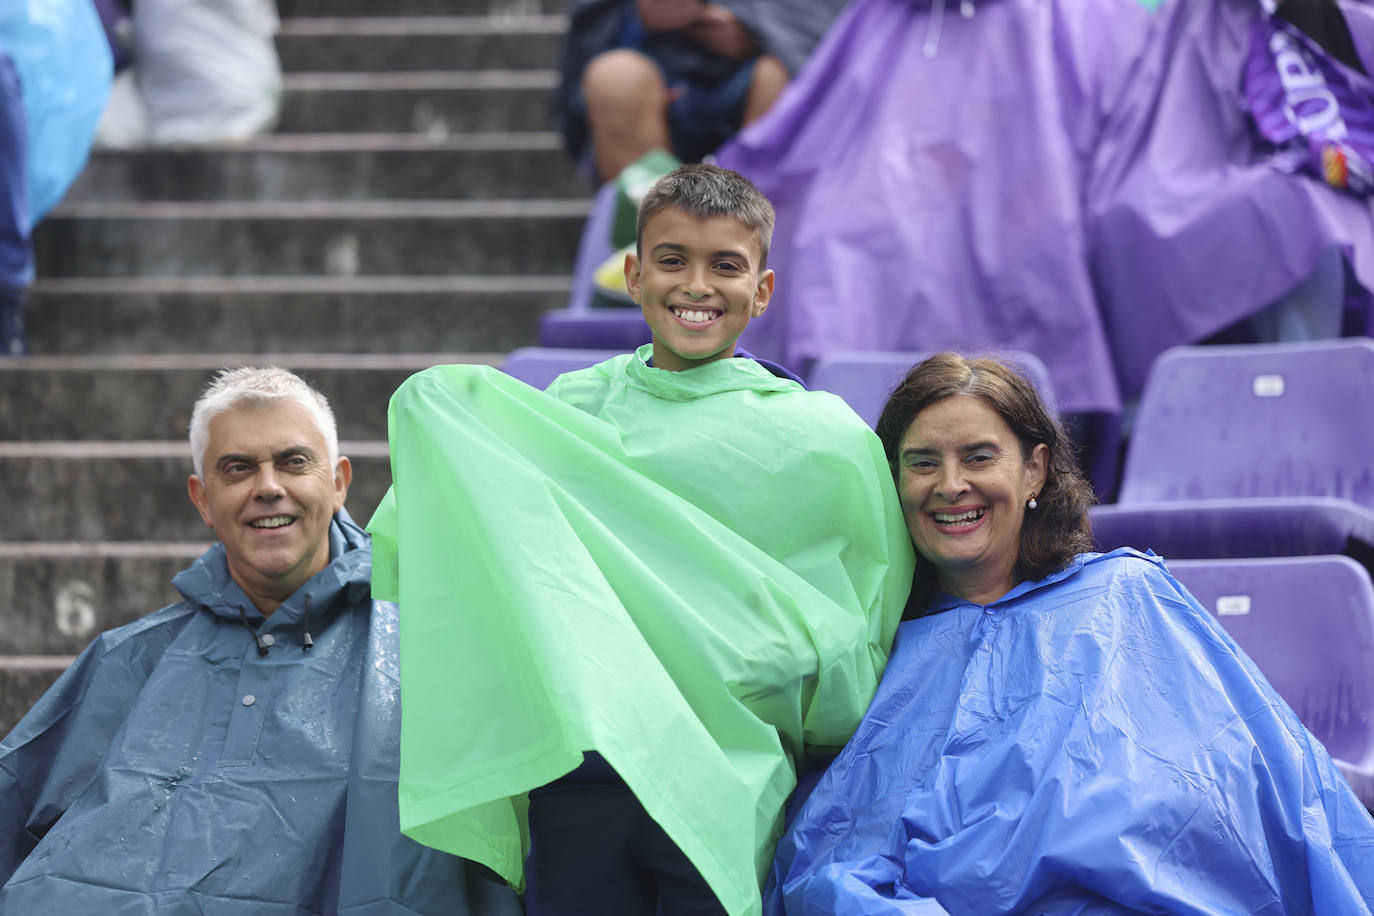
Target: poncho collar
{"x": 703, "y": 381}
{"x": 943, "y": 602}
{"x": 207, "y": 583}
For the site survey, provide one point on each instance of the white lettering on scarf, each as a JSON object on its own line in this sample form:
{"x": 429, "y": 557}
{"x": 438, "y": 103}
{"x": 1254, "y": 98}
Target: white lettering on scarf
{"x": 1308, "y": 104}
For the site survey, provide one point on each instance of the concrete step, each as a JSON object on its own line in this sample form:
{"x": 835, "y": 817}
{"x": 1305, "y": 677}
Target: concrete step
{"x": 338, "y": 239}
{"x": 132, "y": 491}
{"x": 117, "y": 397}
{"x": 359, "y": 43}
{"x": 288, "y": 167}
{"x": 23, "y": 680}
{"x": 290, "y": 314}
{"x": 434, "y": 103}
{"x": 501, "y": 9}
{"x": 59, "y": 596}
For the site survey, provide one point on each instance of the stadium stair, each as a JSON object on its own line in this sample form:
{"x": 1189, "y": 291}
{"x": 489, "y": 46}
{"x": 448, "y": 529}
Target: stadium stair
{"x": 414, "y": 207}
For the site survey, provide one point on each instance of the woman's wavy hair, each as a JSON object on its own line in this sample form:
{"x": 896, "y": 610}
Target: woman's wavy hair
{"x": 1055, "y": 531}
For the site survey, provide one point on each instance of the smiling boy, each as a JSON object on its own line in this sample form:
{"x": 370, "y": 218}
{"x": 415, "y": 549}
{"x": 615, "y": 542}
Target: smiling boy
{"x": 668, "y": 581}
{"x": 698, "y": 279}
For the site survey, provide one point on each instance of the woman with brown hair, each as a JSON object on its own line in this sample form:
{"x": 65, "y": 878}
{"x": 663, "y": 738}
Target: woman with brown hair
{"x": 1058, "y": 731}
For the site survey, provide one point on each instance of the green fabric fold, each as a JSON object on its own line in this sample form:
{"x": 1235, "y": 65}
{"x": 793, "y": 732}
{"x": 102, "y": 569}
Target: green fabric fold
{"x": 695, "y": 574}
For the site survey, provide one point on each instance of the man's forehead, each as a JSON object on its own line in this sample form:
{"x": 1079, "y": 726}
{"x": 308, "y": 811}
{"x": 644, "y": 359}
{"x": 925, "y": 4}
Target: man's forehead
{"x": 263, "y": 431}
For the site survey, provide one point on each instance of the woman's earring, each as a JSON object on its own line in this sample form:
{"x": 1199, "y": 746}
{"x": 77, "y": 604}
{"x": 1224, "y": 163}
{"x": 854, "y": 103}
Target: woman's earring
{"x": 1031, "y": 503}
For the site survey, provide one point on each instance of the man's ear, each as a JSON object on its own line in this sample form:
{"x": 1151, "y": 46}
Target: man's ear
{"x": 632, "y": 277}
{"x": 764, "y": 293}
{"x": 343, "y": 476}
{"x": 196, "y": 490}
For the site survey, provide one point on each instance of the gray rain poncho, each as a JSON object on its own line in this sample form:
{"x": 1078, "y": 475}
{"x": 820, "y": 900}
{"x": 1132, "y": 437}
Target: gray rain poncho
{"x": 173, "y": 769}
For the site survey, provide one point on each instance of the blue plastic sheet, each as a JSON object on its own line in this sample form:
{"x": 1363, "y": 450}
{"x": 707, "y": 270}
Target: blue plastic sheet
{"x": 64, "y": 61}
{"x": 1090, "y": 744}
{"x": 147, "y": 782}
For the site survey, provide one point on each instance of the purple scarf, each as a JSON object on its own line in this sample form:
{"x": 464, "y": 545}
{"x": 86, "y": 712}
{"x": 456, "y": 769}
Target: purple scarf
{"x": 1317, "y": 112}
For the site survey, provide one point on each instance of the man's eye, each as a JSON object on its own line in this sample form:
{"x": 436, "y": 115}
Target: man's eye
{"x": 728, "y": 267}
{"x": 296, "y": 463}
{"x": 236, "y": 469}
{"x": 671, "y": 261}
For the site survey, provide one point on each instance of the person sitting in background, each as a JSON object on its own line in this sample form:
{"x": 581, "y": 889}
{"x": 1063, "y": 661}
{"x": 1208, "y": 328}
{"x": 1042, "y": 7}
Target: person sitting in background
{"x": 677, "y": 75}
{"x": 235, "y": 752}
{"x": 1058, "y": 732}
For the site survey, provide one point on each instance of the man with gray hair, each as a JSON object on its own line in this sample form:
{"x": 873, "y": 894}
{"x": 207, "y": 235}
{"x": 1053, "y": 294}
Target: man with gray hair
{"x": 236, "y": 752}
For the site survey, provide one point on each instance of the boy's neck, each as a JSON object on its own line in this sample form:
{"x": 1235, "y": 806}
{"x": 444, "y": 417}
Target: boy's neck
{"x": 666, "y": 359}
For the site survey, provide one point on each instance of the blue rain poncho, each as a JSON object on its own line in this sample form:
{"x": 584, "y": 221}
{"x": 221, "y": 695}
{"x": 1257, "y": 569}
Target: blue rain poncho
{"x": 696, "y": 574}
{"x": 1093, "y": 743}
{"x": 144, "y": 782}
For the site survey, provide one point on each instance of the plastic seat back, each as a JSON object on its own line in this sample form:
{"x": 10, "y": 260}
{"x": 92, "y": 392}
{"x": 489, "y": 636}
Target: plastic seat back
{"x": 865, "y": 379}
{"x": 1256, "y": 420}
{"x": 1308, "y": 624}
{"x": 594, "y": 329}
{"x": 537, "y": 366}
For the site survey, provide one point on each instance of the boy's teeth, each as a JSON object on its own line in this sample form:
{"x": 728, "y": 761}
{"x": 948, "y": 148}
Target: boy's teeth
{"x": 693, "y": 315}
{"x": 275, "y": 521}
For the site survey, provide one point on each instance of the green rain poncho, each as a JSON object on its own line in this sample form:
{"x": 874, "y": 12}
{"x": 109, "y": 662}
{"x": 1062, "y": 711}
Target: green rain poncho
{"x": 696, "y": 574}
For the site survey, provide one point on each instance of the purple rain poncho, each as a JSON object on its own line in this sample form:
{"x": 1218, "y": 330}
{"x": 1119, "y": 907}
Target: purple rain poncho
{"x": 1076, "y": 178}
{"x": 1089, "y": 744}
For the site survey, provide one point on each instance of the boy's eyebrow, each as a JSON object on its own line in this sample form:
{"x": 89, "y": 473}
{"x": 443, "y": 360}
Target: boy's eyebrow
{"x": 718, "y": 253}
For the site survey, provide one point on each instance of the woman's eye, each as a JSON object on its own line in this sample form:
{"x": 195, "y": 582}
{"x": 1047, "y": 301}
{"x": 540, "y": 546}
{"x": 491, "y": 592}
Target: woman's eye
{"x": 978, "y": 458}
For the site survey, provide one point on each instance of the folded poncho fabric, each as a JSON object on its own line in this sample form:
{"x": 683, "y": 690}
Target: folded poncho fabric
{"x": 1093, "y": 743}
{"x": 693, "y": 573}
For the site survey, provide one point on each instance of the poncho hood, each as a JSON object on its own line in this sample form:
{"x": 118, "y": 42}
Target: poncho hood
{"x": 207, "y": 582}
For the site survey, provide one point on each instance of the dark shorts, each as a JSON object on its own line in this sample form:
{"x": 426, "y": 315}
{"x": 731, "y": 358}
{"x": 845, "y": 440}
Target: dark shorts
{"x": 703, "y": 116}
{"x": 594, "y": 850}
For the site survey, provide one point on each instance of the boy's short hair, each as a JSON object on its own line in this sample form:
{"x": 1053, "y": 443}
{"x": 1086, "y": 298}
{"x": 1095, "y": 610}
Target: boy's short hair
{"x": 707, "y": 191}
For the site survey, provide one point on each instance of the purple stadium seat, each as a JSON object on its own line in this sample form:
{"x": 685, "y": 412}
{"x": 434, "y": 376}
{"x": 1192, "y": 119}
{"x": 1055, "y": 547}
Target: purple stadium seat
{"x": 1256, "y": 420}
{"x": 594, "y": 329}
{"x": 594, "y": 247}
{"x": 1308, "y": 624}
{"x": 1255, "y": 450}
{"x": 865, "y": 378}
{"x": 537, "y": 366}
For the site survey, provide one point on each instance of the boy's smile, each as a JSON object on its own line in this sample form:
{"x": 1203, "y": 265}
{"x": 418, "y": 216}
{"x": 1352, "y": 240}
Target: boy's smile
{"x": 698, "y": 284}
